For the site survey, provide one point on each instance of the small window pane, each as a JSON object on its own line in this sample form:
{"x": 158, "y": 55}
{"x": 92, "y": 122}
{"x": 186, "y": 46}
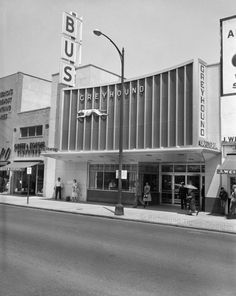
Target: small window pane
{"x": 23, "y": 132}
{"x": 39, "y": 130}
{"x": 193, "y": 168}
{"x": 203, "y": 168}
{"x": 31, "y": 131}
{"x": 180, "y": 168}
{"x": 167, "y": 168}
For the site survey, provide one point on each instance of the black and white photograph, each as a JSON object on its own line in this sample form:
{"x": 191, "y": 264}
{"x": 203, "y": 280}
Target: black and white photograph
{"x": 117, "y": 147}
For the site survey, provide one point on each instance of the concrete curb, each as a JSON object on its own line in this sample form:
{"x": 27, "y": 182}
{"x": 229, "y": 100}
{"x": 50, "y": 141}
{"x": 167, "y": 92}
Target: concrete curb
{"x": 121, "y": 218}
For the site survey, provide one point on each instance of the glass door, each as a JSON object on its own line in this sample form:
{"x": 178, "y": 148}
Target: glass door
{"x": 178, "y": 180}
{"x": 166, "y": 192}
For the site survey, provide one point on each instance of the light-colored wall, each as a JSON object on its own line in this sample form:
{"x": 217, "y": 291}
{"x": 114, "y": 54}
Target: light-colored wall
{"x": 213, "y": 104}
{"x": 67, "y": 171}
{"x": 92, "y": 76}
{"x": 36, "y": 93}
{"x": 228, "y": 116}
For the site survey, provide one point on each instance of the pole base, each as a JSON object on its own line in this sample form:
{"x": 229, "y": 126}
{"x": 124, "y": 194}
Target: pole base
{"x": 119, "y": 210}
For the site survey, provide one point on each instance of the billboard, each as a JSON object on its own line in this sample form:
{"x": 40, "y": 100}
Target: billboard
{"x": 228, "y": 56}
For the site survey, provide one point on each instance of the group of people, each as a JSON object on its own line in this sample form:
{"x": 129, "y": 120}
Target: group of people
{"x": 75, "y": 190}
{"x": 227, "y": 200}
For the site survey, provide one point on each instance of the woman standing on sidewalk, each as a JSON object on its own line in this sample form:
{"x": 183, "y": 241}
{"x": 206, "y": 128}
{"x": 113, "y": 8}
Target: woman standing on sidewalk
{"x": 146, "y": 195}
{"x": 74, "y": 195}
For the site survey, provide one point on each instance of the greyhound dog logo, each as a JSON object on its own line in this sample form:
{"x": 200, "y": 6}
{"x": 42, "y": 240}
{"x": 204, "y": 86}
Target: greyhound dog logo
{"x": 85, "y": 113}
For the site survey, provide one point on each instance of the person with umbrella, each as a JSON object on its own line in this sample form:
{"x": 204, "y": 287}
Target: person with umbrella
{"x": 191, "y": 200}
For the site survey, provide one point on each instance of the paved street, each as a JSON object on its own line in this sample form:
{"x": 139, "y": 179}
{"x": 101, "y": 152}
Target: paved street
{"x": 49, "y": 253}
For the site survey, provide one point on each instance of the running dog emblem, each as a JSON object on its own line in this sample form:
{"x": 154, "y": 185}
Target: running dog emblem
{"x": 84, "y": 113}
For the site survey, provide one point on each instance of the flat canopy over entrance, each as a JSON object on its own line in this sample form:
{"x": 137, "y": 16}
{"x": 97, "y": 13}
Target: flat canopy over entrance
{"x": 229, "y": 165}
{"x": 18, "y": 166}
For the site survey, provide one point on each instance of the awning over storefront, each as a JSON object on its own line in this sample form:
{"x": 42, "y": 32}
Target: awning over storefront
{"x": 18, "y": 166}
{"x": 2, "y": 163}
{"x": 229, "y": 165}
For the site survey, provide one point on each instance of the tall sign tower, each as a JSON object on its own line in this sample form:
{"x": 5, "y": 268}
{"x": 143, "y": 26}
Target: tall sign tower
{"x": 71, "y": 46}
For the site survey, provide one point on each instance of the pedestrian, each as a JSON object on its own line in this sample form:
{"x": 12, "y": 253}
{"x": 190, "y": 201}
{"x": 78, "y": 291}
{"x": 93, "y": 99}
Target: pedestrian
{"x": 182, "y": 196}
{"x": 138, "y": 193}
{"x": 191, "y": 203}
{"x": 233, "y": 202}
{"x": 223, "y": 198}
{"x": 75, "y": 188}
{"x": 146, "y": 195}
{"x": 58, "y": 188}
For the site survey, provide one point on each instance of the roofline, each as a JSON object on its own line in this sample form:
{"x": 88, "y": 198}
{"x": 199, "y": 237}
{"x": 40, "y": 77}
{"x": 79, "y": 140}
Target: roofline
{"x": 91, "y": 65}
{"x": 19, "y": 72}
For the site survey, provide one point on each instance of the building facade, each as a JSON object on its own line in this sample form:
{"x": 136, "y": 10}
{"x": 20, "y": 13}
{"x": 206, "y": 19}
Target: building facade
{"x": 171, "y": 134}
{"x": 24, "y": 125}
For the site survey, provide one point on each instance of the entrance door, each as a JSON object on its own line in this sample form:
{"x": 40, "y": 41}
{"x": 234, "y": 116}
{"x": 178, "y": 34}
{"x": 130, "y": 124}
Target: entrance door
{"x": 178, "y": 180}
{"x": 166, "y": 193}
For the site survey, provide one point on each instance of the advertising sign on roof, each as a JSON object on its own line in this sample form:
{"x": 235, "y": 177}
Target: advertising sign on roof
{"x": 228, "y": 56}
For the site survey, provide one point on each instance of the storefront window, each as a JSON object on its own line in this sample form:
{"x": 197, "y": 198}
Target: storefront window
{"x": 104, "y": 177}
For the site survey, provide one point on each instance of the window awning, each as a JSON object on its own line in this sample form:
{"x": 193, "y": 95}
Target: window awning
{"x": 18, "y": 166}
{"x": 228, "y": 166}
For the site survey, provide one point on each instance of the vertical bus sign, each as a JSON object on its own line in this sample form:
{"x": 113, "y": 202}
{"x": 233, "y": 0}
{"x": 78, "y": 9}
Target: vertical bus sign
{"x": 228, "y": 56}
{"x": 69, "y": 48}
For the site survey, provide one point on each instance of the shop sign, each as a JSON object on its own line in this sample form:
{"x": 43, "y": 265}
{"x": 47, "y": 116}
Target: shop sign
{"x": 5, "y": 103}
{"x": 29, "y": 149}
{"x": 206, "y": 144}
{"x": 229, "y": 140}
{"x": 112, "y": 93}
{"x": 29, "y": 170}
{"x": 123, "y": 174}
{"x": 69, "y": 48}
{"x": 5, "y": 154}
{"x": 226, "y": 171}
{"x": 228, "y": 56}
{"x": 202, "y": 100}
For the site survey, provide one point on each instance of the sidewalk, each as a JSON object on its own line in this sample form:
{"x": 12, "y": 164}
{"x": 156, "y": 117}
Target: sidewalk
{"x": 160, "y": 214}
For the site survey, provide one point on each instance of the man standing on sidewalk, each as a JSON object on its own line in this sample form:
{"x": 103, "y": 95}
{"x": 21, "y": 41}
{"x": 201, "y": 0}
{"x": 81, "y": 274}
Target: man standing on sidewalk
{"x": 223, "y": 198}
{"x": 58, "y": 188}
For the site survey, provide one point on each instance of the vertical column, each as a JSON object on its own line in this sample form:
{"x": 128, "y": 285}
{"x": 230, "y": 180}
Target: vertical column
{"x": 80, "y": 128}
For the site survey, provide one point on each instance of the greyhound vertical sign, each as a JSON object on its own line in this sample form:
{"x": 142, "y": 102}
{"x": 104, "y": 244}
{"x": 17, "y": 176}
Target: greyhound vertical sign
{"x": 71, "y": 41}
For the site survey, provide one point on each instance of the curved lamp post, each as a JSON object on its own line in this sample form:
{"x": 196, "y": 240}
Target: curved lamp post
{"x": 119, "y": 209}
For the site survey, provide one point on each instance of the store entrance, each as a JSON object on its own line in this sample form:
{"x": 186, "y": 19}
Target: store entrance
{"x": 170, "y": 187}
{"x": 152, "y": 180}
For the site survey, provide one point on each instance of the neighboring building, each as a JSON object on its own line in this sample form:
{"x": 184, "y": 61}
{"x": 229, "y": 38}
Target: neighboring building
{"x": 171, "y": 134}
{"x": 24, "y": 123}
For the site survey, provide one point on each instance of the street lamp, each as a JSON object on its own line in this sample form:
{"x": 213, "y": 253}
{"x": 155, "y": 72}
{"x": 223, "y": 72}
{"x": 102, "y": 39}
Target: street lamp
{"x": 119, "y": 209}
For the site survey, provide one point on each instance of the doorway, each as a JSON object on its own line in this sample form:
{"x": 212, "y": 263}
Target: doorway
{"x": 170, "y": 184}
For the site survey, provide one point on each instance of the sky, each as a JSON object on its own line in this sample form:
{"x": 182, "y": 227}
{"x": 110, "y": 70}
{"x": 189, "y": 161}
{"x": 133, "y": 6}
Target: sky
{"x": 156, "y": 34}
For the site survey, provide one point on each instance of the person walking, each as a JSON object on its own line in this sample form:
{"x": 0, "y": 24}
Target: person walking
{"x": 75, "y": 188}
{"x": 191, "y": 203}
{"x": 223, "y": 199}
{"x": 146, "y": 195}
{"x": 58, "y": 188}
{"x": 182, "y": 196}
